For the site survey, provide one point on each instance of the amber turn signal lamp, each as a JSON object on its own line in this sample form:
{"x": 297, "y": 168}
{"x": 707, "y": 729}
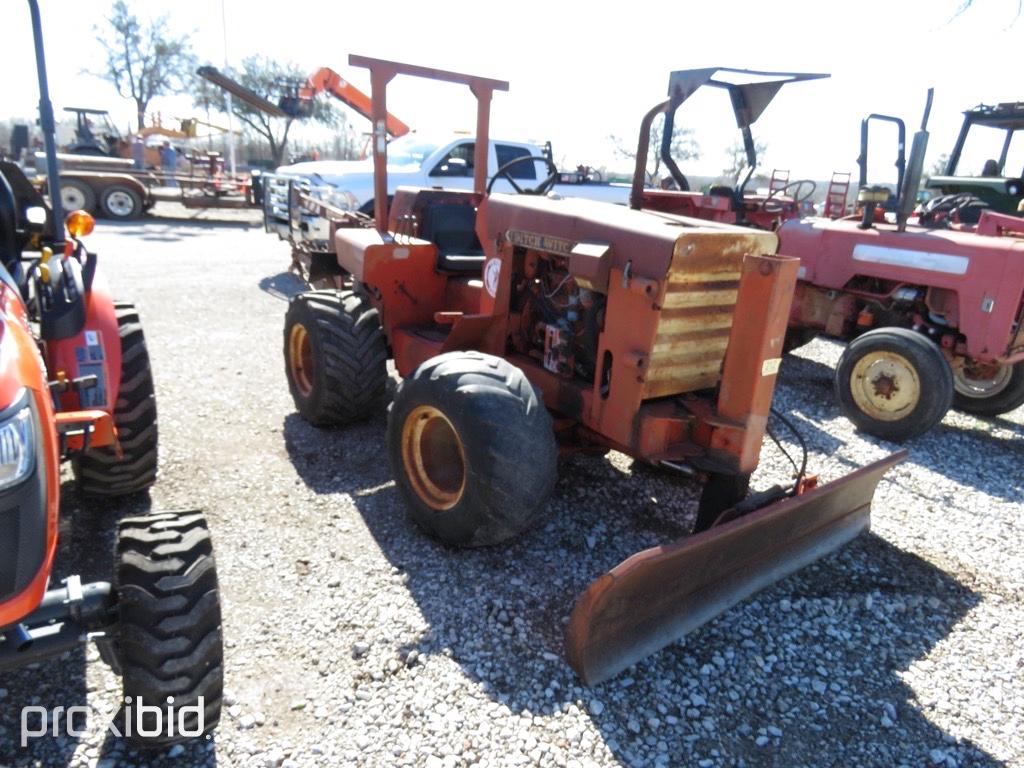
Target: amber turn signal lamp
{"x": 79, "y": 223}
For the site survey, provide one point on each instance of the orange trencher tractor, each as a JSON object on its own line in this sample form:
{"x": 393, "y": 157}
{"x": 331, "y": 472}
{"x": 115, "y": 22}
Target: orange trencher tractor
{"x": 524, "y": 325}
{"x": 75, "y": 384}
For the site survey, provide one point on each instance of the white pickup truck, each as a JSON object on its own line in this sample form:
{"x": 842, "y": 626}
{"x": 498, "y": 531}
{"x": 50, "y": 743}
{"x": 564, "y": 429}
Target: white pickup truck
{"x": 417, "y": 160}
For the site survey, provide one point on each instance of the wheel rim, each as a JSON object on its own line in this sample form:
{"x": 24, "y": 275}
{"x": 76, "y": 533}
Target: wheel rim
{"x": 979, "y": 385}
{"x": 72, "y": 199}
{"x": 300, "y": 360}
{"x": 885, "y": 386}
{"x": 120, "y": 203}
{"x": 434, "y": 460}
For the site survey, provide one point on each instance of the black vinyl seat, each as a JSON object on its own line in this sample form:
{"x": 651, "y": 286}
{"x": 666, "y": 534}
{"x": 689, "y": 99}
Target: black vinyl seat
{"x": 450, "y": 226}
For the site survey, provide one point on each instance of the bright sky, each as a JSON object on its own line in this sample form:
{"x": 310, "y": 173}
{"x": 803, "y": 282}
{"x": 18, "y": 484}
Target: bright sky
{"x": 581, "y": 71}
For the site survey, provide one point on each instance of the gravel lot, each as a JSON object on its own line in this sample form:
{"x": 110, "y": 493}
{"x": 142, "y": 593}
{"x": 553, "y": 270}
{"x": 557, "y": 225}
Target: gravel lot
{"x": 354, "y": 640}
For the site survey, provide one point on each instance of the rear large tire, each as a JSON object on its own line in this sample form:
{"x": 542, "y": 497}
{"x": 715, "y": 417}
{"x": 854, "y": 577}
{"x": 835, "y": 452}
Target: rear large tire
{"x": 100, "y": 472}
{"x": 989, "y": 396}
{"x": 335, "y": 357}
{"x": 169, "y": 642}
{"x": 471, "y": 448}
{"x": 893, "y": 383}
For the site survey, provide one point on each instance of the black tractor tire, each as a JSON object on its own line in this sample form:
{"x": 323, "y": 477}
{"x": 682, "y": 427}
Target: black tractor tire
{"x": 720, "y": 492}
{"x": 77, "y": 195}
{"x": 100, "y": 471}
{"x": 472, "y": 449}
{"x": 120, "y": 202}
{"x": 1008, "y": 398}
{"x": 335, "y": 357}
{"x": 169, "y": 642}
{"x": 910, "y": 389}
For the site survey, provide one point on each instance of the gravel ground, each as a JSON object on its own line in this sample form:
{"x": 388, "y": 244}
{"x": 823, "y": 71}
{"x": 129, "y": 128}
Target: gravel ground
{"x": 354, "y": 640}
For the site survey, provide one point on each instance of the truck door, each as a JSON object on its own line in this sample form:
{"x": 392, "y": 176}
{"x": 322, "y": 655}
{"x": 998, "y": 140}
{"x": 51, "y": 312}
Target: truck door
{"x": 455, "y": 169}
{"x": 526, "y": 174}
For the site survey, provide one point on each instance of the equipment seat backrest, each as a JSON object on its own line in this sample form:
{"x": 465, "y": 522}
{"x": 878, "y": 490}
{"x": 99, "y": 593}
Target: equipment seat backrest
{"x": 451, "y": 227}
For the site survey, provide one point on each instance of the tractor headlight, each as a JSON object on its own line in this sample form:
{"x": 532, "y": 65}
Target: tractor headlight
{"x": 17, "y": 443}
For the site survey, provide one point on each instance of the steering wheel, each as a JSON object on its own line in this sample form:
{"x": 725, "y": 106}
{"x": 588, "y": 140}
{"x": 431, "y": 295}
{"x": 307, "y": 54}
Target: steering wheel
{"x": 541, "y": 189}
{"x": 768, "y": 206}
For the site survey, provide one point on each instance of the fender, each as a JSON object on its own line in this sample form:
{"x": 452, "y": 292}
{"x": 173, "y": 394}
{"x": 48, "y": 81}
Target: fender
{"x": 21, "y": 367}
{"x": 96, "y": 350}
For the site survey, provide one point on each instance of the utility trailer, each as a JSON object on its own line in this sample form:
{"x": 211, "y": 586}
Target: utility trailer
{"x": 114, "y": 188}
{"x": 523, "y": 326}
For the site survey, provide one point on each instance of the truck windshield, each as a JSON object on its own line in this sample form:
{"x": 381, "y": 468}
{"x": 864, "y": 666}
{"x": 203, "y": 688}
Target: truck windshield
{"x": 410, "y": 150}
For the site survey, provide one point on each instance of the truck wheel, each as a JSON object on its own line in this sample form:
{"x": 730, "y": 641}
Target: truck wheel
{"x": 893, "y": 383}
{"x": 335, "y": 357}
{"x": 99, "y": 471}
{"x": 168, "y": 643}
{"x": 120, "y": 202}
{"x": 988, "y": 394}
{"x": 76, "y": 195}
{"x": 472, "y": 449}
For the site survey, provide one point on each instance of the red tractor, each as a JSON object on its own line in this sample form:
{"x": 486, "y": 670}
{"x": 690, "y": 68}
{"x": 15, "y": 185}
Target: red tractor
{"x": 75, "y": 384}
{"x": 932, "y": 307}
{"x": 750, "y": 93}
{"x": 524, "y": 326}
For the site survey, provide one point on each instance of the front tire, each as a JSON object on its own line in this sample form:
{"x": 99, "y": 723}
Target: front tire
{"x": 989, "y": 395}
{"x": 893, "y": 383}
{"x": 335, "y": 357}
{"x": 100, "y": 471}
{"x": 169, "y": 642}
{"x": 471, "y": 448}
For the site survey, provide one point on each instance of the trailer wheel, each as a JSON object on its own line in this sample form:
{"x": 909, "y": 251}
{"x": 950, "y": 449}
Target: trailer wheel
{"x": 335, "y": 357}
{"x": 120, "y": 202}
{"x": 988, "y": 393}
{"x": 893, "y": 383}
{"x": 100, "y": 471}
{"x": 76, "y": 195}
{"x": 168, "y": 644}
{"x": 472, "y": 449}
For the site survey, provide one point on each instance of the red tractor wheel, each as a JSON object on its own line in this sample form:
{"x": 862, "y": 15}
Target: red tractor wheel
{"x": 335, "y": 357}
{"x": 988, "y": 391}
{"x": 100, "y": 471}
{"x": 472, "y": 449}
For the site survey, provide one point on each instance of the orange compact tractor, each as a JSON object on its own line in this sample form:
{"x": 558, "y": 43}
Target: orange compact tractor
{"x": 523, "y": 325}
{"x": 75, "y": 384}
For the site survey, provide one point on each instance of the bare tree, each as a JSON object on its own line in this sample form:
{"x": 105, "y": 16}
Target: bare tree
{"x": 738, "y": 159}
{"x": 938, "y": 167}
{"x": 684, "y": 147}
{"x": 143, "y": 59}
{"x": 267, "y": 78}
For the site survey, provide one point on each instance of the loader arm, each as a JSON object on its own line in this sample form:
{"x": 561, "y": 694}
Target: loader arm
{"x": 326, "y": 80}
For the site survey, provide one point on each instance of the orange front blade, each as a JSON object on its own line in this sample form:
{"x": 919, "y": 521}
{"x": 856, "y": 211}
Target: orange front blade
{"x": 659, "y": 595}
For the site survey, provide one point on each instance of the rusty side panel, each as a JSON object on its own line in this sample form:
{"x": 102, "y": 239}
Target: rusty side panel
{"x": 697, "y": 307}
{"x": 754, "y": 355}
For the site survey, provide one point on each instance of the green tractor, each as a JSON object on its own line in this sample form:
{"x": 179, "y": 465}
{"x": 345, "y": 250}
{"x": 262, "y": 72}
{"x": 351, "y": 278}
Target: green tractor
{"x": 998, "y": 184}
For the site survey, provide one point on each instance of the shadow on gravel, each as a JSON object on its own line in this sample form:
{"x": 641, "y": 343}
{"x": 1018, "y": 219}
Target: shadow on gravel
{"x": 864, "y": 615}
{"x": 173, "y": 228}
{"x": 941, "y": 450}
{"x": 85, "y": 548}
